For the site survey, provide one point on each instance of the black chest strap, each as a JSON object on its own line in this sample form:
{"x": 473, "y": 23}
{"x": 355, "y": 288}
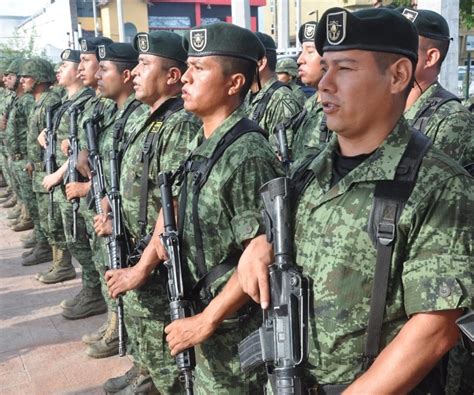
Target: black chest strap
{"x": 201, "y": 171}
{"x": 439, "y": 98}
{"x": 159, "y": 116}
{"x": 390, "y": 197}
{"x": 262, "y": 104}
{"x": 119, "y": 125}
{"x": 324, "y": 132}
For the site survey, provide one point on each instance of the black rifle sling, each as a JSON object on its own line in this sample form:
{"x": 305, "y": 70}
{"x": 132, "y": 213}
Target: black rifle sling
{"x": 68, "y": 103}
{"x": 440, "y": 97}
{"x": 160, "y": 115}
{"x": 324, "y": 132}
{"x": 390, "y": 197}
{"x": 262, "y": 104}
{"x": 201, "y": 171}
{"x": 119, "y": 126}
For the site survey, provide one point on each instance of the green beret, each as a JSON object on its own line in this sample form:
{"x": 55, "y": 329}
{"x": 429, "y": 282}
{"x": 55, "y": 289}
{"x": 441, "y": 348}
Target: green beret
{"x": 117, "y": 52}
{"x": 71, "y": 55}
{"x": 89, "y": 45}
{"x": 287, "y": 65}
{"x": 224, "y": 39}
{"x": 371, "y": 29}
{"x": 307, "y": 32}
{"x": 429, "y": 24}
{"x": 267, "y": 41}
{"x": 161, "y": 43}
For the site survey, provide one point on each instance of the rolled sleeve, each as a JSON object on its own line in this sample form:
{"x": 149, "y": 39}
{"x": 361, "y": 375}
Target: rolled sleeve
{"x": 246, "y": 225}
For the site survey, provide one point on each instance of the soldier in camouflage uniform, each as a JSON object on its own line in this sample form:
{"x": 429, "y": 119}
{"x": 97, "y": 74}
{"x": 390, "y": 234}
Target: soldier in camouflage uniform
{"x": 265, "y": 105}
{"x": 446, "y": 122}
{"x": 4, "y": 94}
{"x": 428, "y": 256}
{"x": 287, "y": 72}
{"x": 222, "y": 63}
{"x": 16, "y": 144}
{"x": 90, "y": 300}
{"x": 36, "y": 78}
{"x": 166, "y": 128}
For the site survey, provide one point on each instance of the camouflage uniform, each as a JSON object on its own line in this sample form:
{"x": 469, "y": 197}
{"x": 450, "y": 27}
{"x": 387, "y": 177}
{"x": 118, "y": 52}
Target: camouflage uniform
{"x": 431, "y": 266}
{"x": 282, "y": 106}
{"x": 146, "y": 308}
{"x": 43, "y": 229}
{"x": 298, "y": 92}
{"x": 16, "y": 132}
{"x": 7, "y": 97}
{"x": 450, "y": 127}
{"x": 229, "y": 212}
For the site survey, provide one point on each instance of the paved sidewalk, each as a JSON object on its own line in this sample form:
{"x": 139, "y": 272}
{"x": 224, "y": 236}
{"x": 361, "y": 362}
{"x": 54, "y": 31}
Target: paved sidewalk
{"x": 40, "y": 351}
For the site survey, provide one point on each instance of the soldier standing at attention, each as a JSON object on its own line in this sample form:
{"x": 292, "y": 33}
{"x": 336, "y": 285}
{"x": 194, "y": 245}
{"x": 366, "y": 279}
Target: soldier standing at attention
{"x": 157, "y": 142}
{"x": 430, "y": 108}
{"x": 37, "y": 78}
{"x": 224, "y": 215}
{"x": 287, "y": 72}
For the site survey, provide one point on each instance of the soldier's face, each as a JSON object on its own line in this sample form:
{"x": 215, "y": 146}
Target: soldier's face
{"x": 205, "y": 87}
{"x": 10, "y": 81}
{"x": 354, "y": 93}
{"x": 149, "y": 78}
{"x": 109, "y": 80}
{"x": 87, "y": 69}
{"x": 67, "y": 74}
{"x": 27, "y": 83}
{"x": 284, "y": 77}
{"x": 309, "y": 62}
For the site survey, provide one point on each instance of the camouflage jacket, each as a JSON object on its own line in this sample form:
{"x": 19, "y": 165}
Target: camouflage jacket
{"x": 282, "y": 106}
{"x": 432, "y": 263}
{"x": 229, "y": 203}
{"x": 450, "y": 127}
{"x": 299, "y": 94}
{"x": 7, "y": 97}
{"x": 306, "y": 136}
{"x": 17, "y": 125}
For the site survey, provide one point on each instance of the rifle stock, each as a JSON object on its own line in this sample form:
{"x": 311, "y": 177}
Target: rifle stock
{"x": 50, "y": 152}
{"x": 72, "y": 172}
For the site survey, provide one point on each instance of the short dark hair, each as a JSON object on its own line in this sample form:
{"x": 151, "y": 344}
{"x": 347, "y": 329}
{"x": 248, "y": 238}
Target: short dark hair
{"x": 442, "y": 46}
{"x": 122, "y": 66}
{"x": 231, "y": 65}
{"x": 271, "y": 60}
{"x": 385, "y": 59}
{"x": 168, "y": 63}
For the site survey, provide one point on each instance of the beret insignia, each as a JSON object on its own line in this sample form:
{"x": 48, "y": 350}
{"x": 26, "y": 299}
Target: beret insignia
{"x": 143, "y": 43}
{"x": 309, "y": 31}
{"x": 336, "y": 27}
{"x": 66, "y": 54}
{"x": 411, "y": 15}
{"x": 101, "y": 50}
{"x": 83, "y": 45}
{"x": 198, "y": 39}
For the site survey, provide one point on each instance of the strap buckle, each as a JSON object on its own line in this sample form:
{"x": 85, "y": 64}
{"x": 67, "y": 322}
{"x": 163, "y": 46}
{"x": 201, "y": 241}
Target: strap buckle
{"x": 385, "y": 233}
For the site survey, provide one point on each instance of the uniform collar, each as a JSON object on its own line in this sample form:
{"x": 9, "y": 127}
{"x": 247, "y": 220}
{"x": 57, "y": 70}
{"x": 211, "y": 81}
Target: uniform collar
{"x": 258, "y": 96}
{"x": 381, "y": 165}
{"x": 420, "y": 102}
{"x": 77, "y": 94}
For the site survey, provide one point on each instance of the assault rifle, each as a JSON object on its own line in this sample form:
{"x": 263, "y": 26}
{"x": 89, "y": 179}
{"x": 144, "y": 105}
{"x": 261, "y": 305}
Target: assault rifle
{"x": 116, "y": 244}
{"x": 282, "y": 145}
{"x": 50, "y": 152}
{"x": 282, "y": 340}
{"x": 180, "y": 307}
{"x": 73, "y": 152}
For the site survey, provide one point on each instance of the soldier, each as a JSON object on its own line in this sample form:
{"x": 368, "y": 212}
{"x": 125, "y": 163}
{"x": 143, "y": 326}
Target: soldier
{"x": 62, "y": 268}
{"x": 156, "y": 142}
{"x": 36, "y": 78}
{"x": 287, "y": 72}
{"x": 218, "y": 224}
{"x": 16, "y": 144}
{"x": 362, "y": 326}
{"x": 431, "y": 108}
{"x": 3, "y": 100}
{"x": 270, "y": 102}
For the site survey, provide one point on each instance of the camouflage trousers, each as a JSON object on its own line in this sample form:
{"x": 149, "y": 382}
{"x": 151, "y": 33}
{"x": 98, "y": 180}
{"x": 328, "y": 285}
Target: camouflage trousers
{"x": 460, "y": 379}
{"x": 6, "y": 171}
{"x": 80, "y": 248}
{"x": 13, "y": 178}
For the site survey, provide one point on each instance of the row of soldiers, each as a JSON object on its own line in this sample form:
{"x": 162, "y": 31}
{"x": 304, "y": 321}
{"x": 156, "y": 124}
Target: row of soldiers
{"x": 210, "y": 108}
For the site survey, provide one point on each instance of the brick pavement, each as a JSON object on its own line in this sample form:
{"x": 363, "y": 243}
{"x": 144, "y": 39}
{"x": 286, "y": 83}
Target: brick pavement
{"x": 41, "y": 352}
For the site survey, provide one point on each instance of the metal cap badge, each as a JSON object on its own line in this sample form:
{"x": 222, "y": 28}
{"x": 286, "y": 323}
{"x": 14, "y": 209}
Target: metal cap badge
{"x": 83, "y": 45}
{"x": 309, "y": 31}
{"x": 411, "y": 15}
{"x": 101, "y": 51}
{"x": 336, "y": 27}
{"x": 143, "y": 42}
{"x": 198, "y": 39}
{"x": 66, "y": 54}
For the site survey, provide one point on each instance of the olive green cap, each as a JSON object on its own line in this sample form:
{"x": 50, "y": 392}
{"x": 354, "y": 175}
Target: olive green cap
{"x": 161, "y": 43}
{"x": 224, "y": 39}
{"x": 117, "y": 52}
{"x": 267, "y": 41}
{"x": 71, "y": 55}
{"x": 287, "y": 65}
{"x": 89, "y": 45}
{"x": 429, "y": 24}
{"x": 307, "y": 32}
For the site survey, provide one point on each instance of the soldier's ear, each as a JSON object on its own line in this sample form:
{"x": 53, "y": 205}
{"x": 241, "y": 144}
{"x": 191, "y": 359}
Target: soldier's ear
{"x": 127, "y": 76}
{"x": 237, "y": 83}
{"x": 174, "y": 76}
{"x": 401, "y": 72}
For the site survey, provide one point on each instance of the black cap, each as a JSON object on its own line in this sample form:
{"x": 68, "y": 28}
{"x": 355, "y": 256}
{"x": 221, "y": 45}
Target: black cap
{"x": 224, "y": 39}
{"x": 71, "y": 55}
{"x": 307, "y": 32}
{"x": 371, "y": 29}
{"x": 267, "y": 41}
{"x": 429, "y": 24}
{"x": 89, "y": 45}
{"x": 161, "y": 43}
{"x": 117, "y": 52}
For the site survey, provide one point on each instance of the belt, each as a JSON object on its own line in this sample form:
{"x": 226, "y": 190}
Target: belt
{"x": 327, "y": 389}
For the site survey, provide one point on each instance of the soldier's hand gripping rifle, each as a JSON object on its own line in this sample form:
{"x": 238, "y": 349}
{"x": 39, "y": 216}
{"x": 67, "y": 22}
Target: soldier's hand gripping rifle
{"x": 179, "y": 306}
{"x": 282, "y": 145}
{"x": 72, "y": 172}
{"x": 50, "y": 152}
{"x": 116, "y": 244}
{"x": 282, "y": 340}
